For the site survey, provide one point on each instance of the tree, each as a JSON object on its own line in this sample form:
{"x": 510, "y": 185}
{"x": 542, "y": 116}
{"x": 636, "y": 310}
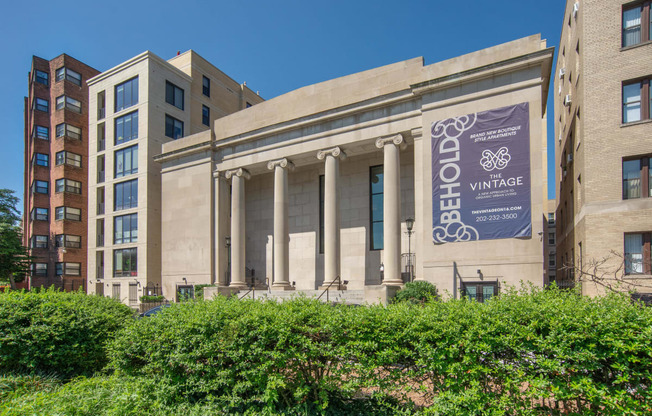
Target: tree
{"x": 15, "y": 260}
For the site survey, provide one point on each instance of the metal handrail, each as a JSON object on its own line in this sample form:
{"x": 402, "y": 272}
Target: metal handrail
{"x": 253, "y": 289}
{"x": 339, "y": 286}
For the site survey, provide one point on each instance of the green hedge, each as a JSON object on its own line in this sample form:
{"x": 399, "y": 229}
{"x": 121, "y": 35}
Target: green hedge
{"x": 52, "y": 331}
{"x": 544, "y": 352}
{"x": 417, "y": 292}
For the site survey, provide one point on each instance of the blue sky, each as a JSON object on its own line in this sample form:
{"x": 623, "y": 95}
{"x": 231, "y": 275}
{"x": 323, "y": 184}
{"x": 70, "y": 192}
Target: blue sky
{"x": 275, "y": 46}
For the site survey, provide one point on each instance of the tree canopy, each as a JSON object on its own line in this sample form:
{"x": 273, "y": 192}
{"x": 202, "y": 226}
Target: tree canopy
{"x": 14, "y": 257}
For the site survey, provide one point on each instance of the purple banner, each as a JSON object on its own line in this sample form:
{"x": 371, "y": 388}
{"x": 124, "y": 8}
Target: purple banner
{"x": 481, "y": 176}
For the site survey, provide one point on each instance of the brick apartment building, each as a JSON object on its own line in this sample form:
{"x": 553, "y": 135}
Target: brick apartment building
{"x": 603, "y": 126}
{"x": 56, "y": 171}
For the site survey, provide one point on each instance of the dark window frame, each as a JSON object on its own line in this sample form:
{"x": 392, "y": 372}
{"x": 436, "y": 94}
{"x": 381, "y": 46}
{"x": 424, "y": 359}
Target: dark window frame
{"x": 40, "y": 187}
{"x": 68, "y": 158}
{"x": 68, "y": 186}
{"x": 120, "y": 154}
{"x": 67, "y": 130}
{"x": 130, "y": 87}
{"x": 126, "y": 228}
{"x": 67, "y": 269}
{"x": 645, "y": 27}
{"x": 479, "y": 286}
{"x": 41, "y": 104}
{"x": 121, "y": 188}
{"x": 646, "y": 257}
{"x": 41, "y": 132}
{"x": 205, "y": 115}
{"x": 65, "y": 73}
{"x": 68, "y": 241}
{"x": 171, "y": 95}
{"x": 206, "y": 86}
{"x": 132, "y": 261}
{"x": 41, "y": 159}
{"x": 40, "y": 269}
{"x": 62, "y": 213}
{"x": 44, "y": 214}
{"x": 132, "y": 118}
{"x": 372, "y": 219}
{"x": 645, "y": 103}
{"x": 643, "y": 178}
{"x": 39, "y": 77}
{"x": 171, "y": 122}
{"x": 65, "y": 101}
{"x": 39, "y": 241}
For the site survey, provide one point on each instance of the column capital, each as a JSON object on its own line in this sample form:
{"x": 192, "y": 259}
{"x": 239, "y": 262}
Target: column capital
{"x": 398, "y": 140}
{"x": 240, "y": 172}
{"x": 284, "y": 163}
{"x": 335, "y": 152}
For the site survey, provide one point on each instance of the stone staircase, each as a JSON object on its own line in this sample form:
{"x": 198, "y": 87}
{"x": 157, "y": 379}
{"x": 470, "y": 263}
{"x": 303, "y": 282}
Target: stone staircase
{"x": 349, "y": 297}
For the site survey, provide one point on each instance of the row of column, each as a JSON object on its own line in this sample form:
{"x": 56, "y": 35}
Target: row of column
{"x": 331, "y": 158}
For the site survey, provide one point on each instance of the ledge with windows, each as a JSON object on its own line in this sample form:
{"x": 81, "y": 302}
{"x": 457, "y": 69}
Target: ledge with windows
{"x": 63, "y": 101}
{"x": 69, "y": 186}
{"x": 68, "y": 74}
{"x": 67, "y": 213}
{"x": 65, "y": 157}
{"x": 68, "y": 269}
{"x": 67, "y": 241}
{"x": 68, "y": 131}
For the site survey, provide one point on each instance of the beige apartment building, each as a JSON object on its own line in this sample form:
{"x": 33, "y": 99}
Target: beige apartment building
{"x": 135, "y": 108}
{"x": 604, "y": 147}
{"x": 320, "y": 184}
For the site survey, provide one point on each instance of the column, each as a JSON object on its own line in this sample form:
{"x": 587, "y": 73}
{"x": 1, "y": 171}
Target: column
{"x": 238, "y": 177}
{"x": 391, "y": 208}
{"x": 281, "y": 231}
{"x": 331, "y": 212}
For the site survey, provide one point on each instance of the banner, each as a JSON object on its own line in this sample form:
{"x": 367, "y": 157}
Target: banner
{"x": 481, "y": 176}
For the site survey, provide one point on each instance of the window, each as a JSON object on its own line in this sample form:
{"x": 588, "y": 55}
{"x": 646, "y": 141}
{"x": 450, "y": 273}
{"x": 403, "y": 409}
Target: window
{"x": 185, "y": 292}
{"x": 173, "y": 95}
{"x": 41, "y": 132}
{"x": 68, "y": 75}
{"x": 125, "y": 229}
{"x": 100, "y": 201}
{"x": 41, "y": 105}
{"x": 66, "y": 130}
{"x": 99, "y": 265}
{"x": 126, "y": 161}
{"x": 637, "y": 24}
{"x": 40, "y": 187}
{"x": 125, "y": 195}
{"x": 100, "y": 232}
{"x": 637, "y": 103}
{"x": 126, "y": 128}
{"x": 69, "y": 103}
{"x": 206, "y": 86}
{"x": 552, "y": 260}
{"x": 68, "y": 241}
{"x": 39, "y": 214}
{"x": 248, "y": 104}
{"x": 41, "y": 77}
{"x": 68, "y": 269}
{"x": 39, "y": 241}
{"x": 551, "y": 238}
{"x": 68, "y": 185}
{"x": 68, "y": 158}
{"x": 173, "y": 127}
{"x": 551, "y": 218}
{"x": 41, "y": 159}
{"x": 116, "y": 291}
{"x": 637, "y": 253}
{"x": 636, "y": 178}
{"x": 376, "y": 204}
{"x": 126, "y": 94}
{"x": 100, "y": 169}
{"x": 101, "y": 136}
{"x": 67, "y": 213}
{"x": 322, "y": 194}
{"x": 479, "y": 291}
{"x": 205, "y": 115}
{"x": 101, "y": 105}
{"x": 125, "y": 262}
{"x": 133, "y": 293}
{"x": 39, "y": 269}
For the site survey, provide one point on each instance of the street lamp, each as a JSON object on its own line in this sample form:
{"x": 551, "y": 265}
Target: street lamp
{"x": 410, "y": 224}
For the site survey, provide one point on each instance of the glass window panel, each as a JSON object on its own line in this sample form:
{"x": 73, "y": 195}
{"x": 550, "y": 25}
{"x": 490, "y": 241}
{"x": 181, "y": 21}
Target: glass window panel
{"x": 377, "y": 236}
{"x": 487, "y": 293}
{"x": 631, "y": 179}
{"x": 376, "y": 180}
{"x": 632, "y": 26}
{"x": 632, "y": 102}
{"x": 633, "y": 253}
{"x": 471, "y": 292}
{"x": 377, "y": 207}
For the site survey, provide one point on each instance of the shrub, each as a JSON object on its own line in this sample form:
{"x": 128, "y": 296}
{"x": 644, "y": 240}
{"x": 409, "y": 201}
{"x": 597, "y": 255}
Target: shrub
{"x": 417, "y": 292}
{"x": 61, "y": 332}
{"x": 152, "y": 298}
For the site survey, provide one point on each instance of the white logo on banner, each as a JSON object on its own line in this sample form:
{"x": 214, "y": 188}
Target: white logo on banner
{"x": 498, "y": 160}
{"x": 452, "y": 228}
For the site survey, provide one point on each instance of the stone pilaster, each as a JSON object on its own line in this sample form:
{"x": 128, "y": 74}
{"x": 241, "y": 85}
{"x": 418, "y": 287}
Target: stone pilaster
{"x": 238, "y": 176}
{"x": 281, "y": 231}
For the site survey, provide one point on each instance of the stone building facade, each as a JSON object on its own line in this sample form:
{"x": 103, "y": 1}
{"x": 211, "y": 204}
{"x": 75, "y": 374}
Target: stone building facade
{"x": 603, "y": 147}
{"x": 56, "y": 171}
{"x": 317, "y": 184}
{"x": 136, "y": 107}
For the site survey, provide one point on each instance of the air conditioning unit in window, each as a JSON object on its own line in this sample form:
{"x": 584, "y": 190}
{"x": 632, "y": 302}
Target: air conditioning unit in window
{"x": 576, "y": 8}
{"x": 562, "y": 72}
{"x": 567, "y": 100}
{"x": 569, "y": 158}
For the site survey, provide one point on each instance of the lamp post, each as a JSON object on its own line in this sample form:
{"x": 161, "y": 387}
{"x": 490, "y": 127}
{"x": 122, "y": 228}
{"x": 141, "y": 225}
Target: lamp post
{"x": 410, "y": 224}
